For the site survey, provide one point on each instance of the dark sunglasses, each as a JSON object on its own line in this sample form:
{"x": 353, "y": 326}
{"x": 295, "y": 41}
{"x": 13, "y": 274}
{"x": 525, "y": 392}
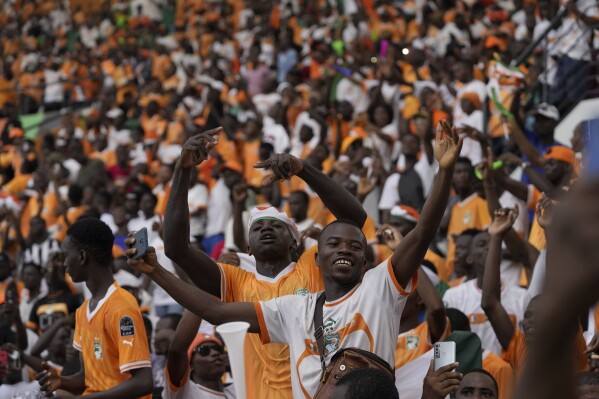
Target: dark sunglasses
{"x": 204, "y": 350}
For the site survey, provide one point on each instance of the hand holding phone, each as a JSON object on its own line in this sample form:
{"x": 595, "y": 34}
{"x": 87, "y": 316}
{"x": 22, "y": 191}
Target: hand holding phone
{"x": 141, "y": 243}
{"x": 444, "y": 354}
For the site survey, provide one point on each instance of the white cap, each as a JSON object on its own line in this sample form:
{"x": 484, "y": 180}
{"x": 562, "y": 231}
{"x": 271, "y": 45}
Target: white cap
{"x": 125, "y": 279}
{"x": 548, "y": 111}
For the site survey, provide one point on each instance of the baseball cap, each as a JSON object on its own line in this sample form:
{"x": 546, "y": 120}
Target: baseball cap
{"x": 261, "y": 213}
{"x": 561, "y": 153}
{"x": 405, "y": 212}
{"x": 200, "y": 339}
{"x": 548, "y": 111}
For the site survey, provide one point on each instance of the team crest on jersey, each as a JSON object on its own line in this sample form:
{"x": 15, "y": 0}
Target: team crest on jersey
{"x": 467, "y": 218}
{"x": 126, "y": 326}
{"x": 302, "y": 292}
{"x": 98, "y": 349}
{"x": 331, "y": 342}
{"x": 412, "y": 342}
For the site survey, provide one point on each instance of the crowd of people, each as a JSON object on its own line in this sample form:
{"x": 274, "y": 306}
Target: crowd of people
{"x": 347, "y": 174}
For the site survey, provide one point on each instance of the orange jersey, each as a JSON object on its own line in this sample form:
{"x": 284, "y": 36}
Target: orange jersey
{"x": 415, "y": 343}
{"x": 471, "y": 213}
{"x": 268, "y": 373}
{"x": 112, "y": 340}
{"x": 501, "y": 371}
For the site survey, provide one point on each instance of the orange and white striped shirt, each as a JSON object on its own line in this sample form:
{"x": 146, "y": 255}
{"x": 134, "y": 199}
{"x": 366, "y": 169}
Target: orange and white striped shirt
{"x": 112, "y": 340}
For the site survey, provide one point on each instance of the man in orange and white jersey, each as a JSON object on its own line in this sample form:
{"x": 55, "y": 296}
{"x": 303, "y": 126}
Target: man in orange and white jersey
{"x": 109, "y": 329}
{"x": 273, "y": 238}
{"x": 361, "y": 309}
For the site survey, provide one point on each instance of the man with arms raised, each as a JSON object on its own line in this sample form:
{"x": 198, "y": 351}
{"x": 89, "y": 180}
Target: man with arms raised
{"x": 273, "y": 238}
{"x": 361, "y": 310}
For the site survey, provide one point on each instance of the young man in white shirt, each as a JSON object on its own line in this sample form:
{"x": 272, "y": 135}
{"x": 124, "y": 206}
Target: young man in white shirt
{"x": 361, "y": 310}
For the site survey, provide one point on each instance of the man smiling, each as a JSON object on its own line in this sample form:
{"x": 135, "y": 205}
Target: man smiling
{"x": 361, "y": 310}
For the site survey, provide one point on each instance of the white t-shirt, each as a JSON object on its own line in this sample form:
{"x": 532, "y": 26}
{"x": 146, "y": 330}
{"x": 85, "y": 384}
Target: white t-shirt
{"x": 264, "y": 102}
{"x": 475, "y": 86}
{"x": 19, "y": 389}
{"x": 275, "y": 134}
{"x": 408, "y": 378}
{"x": 367, "y": 317}
{"x": 160, "y": 296}
{"x": 197, "y": 198}
{"x": 574, "y": 36}
{"x": 191, "y": 390}
{"x": 54, "y": 90}
{"x": 467, "y": 298}
{"x": 140, "y": 222}
{"x": 220, "y": 208}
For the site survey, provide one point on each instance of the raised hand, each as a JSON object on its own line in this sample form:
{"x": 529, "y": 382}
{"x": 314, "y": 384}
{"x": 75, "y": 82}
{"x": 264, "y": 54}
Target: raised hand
{"x": 503, "y": 220}
{"x": 147, "y": 264}
{"x": 510, "y": 158}
{"x": 196, "y": 148}
{"x": 447, "y": 149}
{"x": 544, "y": 212}
{"x": 440, "y": 383}
{"x": 48, "y": 379}
{"x": 240, "y": 192}
{"x": 472, "y": 133}
{"x": 283, "y": 167}
{"x": 390, "y": 236}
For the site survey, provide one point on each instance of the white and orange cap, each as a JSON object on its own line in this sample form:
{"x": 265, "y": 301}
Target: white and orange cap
{"x": 405, "y": 212}
{"x": 272, "y": 213}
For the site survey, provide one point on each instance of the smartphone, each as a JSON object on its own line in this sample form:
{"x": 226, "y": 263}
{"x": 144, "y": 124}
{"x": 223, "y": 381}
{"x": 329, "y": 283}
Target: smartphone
{"x": 141, "y": 243}
{"x": 591, "y": 151}
{"x": 444, "y": 354}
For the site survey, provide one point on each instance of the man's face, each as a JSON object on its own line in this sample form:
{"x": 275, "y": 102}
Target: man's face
{"x": 32, "y": 277}
{"x": 462, "y": 176}
{"x": 463, "y": 264}
{"x": 298, "y": 207}
{"x": 410, "y": 145}
{"x": 208, "y": 362}
{"x": 147, "y": 204}
{"x": 60, "y": 341}
{"x": 477, "y": 386}
{"x": 555, "y": 170}
{"x": 270, "y": 239}
{"x": 478, "y": 251}
{"x": 72, "y": 261}
{"x": 342, "y": 253}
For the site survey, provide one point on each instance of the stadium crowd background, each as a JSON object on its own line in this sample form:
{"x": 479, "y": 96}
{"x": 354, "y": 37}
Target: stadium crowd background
{"x": 353, "y": 88}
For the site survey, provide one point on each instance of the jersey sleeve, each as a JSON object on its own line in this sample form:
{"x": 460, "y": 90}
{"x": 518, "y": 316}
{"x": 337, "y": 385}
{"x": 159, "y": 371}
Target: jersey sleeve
{"x": 128, "y": 332}
{"x": 271, "y": 318}
{"x": 382, "y": 283}
{"x": 172, "y": 391}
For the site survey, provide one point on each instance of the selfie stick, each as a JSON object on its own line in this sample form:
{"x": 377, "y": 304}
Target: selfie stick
{"x": 234, "y": 336}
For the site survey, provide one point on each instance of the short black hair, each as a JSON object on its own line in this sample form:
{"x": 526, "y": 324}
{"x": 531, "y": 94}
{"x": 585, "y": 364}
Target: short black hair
{"x": 587, "y": 378}
{"x": 95, "y": 237}
{"x": 470, "y": 232}
{"x": 303, "y": 194}
{"x": 464, "y": 160}
{"x": 368, "y": 383}
{"x": 485, "y": 372}
{"x": 75, "y": 194}
{"x": 457, "y": 320}
{"x": 341, "y": 221}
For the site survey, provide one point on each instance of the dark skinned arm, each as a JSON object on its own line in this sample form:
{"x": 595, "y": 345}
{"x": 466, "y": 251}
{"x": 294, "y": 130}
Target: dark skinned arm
{"x": 525, "y": 145}
{"x": 44, "y": 340}
{"x": 200, "y": 268}
{"x": 141, "y": 383}
{"x": 239, "y": 197}
{"x": 435, "y": 311}
{"x": 341, "y": 203}
{"x": 491, "y": 297}
{"x": 201, "y": 303}
{"x": 516, "y": 188}
{"x": 50, "y": 381}
{"x": 177, "y": 361}
{"x": 411, "y": 250}
{"x": 542, "y": 184}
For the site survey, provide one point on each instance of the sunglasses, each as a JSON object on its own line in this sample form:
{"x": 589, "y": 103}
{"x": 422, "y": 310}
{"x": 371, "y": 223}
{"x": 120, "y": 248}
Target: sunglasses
{"x": 204, "y": 350}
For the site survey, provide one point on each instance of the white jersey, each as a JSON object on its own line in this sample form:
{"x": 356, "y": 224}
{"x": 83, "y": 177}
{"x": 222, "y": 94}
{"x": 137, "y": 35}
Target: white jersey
{"x": 188, "y": 389}
{"x": 467, "y": 298}
{"x": 367, "y": 317}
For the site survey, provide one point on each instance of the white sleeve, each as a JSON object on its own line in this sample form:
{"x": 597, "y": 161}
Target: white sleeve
{"x": 271, "y": 318}
{"x": 537, "y": 283}
{"x": 390, "y": 194}
{"x": 381, "y": 283}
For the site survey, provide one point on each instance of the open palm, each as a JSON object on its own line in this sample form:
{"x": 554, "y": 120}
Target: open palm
{"x": 447, "y": 149}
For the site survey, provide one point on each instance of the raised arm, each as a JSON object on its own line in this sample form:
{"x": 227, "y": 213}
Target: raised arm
{"x": 491, "y": 297}
{"x": 411, "y": 250}
{"x": 177, "y": 361}
{"x": 204, "y": 305}
{"x": 525, "y": 145}
{"x": 341, "y": 203}
{"x": 200, "y": 268}
{"x": 240, "y": 195}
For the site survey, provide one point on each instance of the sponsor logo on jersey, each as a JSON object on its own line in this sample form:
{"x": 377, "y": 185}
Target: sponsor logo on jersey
{"x": 126, "y": 326}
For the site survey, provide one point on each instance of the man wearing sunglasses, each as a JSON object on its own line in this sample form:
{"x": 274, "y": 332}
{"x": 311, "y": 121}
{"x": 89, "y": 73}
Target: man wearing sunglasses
{"x": 195, "y": 364}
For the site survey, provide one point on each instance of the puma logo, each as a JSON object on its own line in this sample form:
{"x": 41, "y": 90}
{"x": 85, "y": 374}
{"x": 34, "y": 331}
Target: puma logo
{"x": 129, "y": 342}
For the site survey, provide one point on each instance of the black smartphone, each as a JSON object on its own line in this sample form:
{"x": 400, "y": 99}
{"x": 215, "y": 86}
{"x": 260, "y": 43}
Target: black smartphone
{"x": 141, "y": 243}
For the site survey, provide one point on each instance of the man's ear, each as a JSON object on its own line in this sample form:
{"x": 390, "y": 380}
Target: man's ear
{"x": 82, "y": 257}
{"x": 316, "y": 259}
